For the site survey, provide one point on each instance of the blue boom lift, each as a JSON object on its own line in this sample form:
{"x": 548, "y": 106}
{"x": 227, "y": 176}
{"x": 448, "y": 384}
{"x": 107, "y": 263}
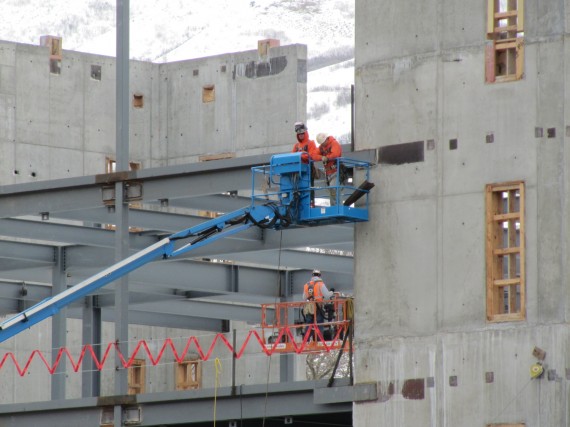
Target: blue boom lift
{"x": 288, "y": 206}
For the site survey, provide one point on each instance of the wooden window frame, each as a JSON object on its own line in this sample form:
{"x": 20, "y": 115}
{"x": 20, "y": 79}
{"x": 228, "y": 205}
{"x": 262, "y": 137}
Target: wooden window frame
{"x": 506, "y": 285}
{"x": 504, "y": 51}
{"x": 137, "y": 376}
{"x": 189, "y": 375}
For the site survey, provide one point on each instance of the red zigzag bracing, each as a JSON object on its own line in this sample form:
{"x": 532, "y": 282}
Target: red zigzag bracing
{"x": 143, "y": 347}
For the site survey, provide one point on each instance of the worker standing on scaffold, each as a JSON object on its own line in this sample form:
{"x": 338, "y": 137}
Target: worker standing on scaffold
{"x": 314, "y": 292}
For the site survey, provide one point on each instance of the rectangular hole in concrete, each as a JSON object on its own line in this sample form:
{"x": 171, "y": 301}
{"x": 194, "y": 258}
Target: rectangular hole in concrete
{"x": 399, "y": 154}
{"x": 96, "y": 72}
{"x": 138, "y": 100}
{"x": 551, "y": 132}
{"x": 55, "y": 66}
{"x": 453, "y": 144}
{"x": 208, "y": 93}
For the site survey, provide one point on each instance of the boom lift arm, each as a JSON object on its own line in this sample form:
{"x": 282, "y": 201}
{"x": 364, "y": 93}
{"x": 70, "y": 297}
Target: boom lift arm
{"x": 288, "y": 206}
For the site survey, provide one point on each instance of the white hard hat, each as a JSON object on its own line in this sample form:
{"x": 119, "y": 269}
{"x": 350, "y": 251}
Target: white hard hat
{"x": 321, "y": 137}
{"x": 316, "y": 272}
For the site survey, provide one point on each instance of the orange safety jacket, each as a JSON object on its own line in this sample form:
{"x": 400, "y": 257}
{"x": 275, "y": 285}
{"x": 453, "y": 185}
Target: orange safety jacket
{"x": 332, "y": 150}
{"x": 306, "y": 145}
{"x": 313, "y": 289}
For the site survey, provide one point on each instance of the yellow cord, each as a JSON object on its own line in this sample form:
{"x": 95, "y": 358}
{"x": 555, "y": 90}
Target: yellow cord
{"x": 218, "y": 365}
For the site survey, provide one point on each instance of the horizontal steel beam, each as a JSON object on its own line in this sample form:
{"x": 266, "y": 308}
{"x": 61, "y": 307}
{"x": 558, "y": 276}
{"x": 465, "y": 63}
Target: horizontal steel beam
{"x": 246, "y": 403}
{"x": 170, "y": 182}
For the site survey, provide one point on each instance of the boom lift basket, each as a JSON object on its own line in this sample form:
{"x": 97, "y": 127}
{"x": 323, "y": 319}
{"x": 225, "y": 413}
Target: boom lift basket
{"x": 283, "y": 334}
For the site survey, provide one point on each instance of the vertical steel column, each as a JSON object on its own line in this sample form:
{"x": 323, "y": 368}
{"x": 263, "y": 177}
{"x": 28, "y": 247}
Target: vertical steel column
{"x": 121, "y": 206}
{"x": 352, "y": 118}
{"x": 91, "y": 334}
{"x": 234, "y": 278}
{"x": 58, "y": 325}
{"x": 286, "y": 361}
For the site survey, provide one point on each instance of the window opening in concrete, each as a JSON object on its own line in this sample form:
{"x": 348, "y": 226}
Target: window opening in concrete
{"x": 96, "y": 72}
{"x": 55, "y": 66}
{"x": 208, "y": 93}
{"x": 399, "y": 154}
{"x": 55, "y": 45}
{"x": 111, "y": 165}
{"x": 505, "y": 251}
{"x": 189, "y": 375}
{"x": 137, "y": 377}
{"x": 504, "y": 54}
{"x": 138, "y": 100}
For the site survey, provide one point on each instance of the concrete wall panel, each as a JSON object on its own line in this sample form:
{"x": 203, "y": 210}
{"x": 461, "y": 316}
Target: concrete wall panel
{"x": 374, "y": 97}
{"x": 462, "y": 23}
{"x": 66, "y": 101}
{"x": 483, "y": 133}
{"x": 545, "y": 19}
{"x": 32, "y": 162}
{"x": 462, "y": 293}
{"x": 391, "y": 297}
{"x": 7, "y": 162}
{"x": 99, "y": 106}
{"x": 472, "y": 113}
{"x": 65, "y": 163}
{"x": 475, "y": 378}
{"x": 141, "y": 123}
{"x": 7, "y": 117}
{"x": 76, "y": 108}
{"x": 93, "y": 163}
{"x": 32, "y": 95}
{"x": 406, "y": 27}
{"x": 7, "y": 54}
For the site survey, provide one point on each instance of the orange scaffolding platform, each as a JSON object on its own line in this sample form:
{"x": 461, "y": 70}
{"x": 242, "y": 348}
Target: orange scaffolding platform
{"x": 284, "y": 329}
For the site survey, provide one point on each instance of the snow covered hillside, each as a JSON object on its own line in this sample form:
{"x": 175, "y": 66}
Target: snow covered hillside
{"x": 173, "y": 30}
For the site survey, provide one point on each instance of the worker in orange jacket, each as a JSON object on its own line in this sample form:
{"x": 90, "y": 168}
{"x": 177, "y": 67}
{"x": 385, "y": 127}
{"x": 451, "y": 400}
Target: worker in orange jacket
{"x": 308, "y": 146}
{"x": 328, "y": 151}
{"x": 304, "y": 144}
{"x": 314, "y": 292}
